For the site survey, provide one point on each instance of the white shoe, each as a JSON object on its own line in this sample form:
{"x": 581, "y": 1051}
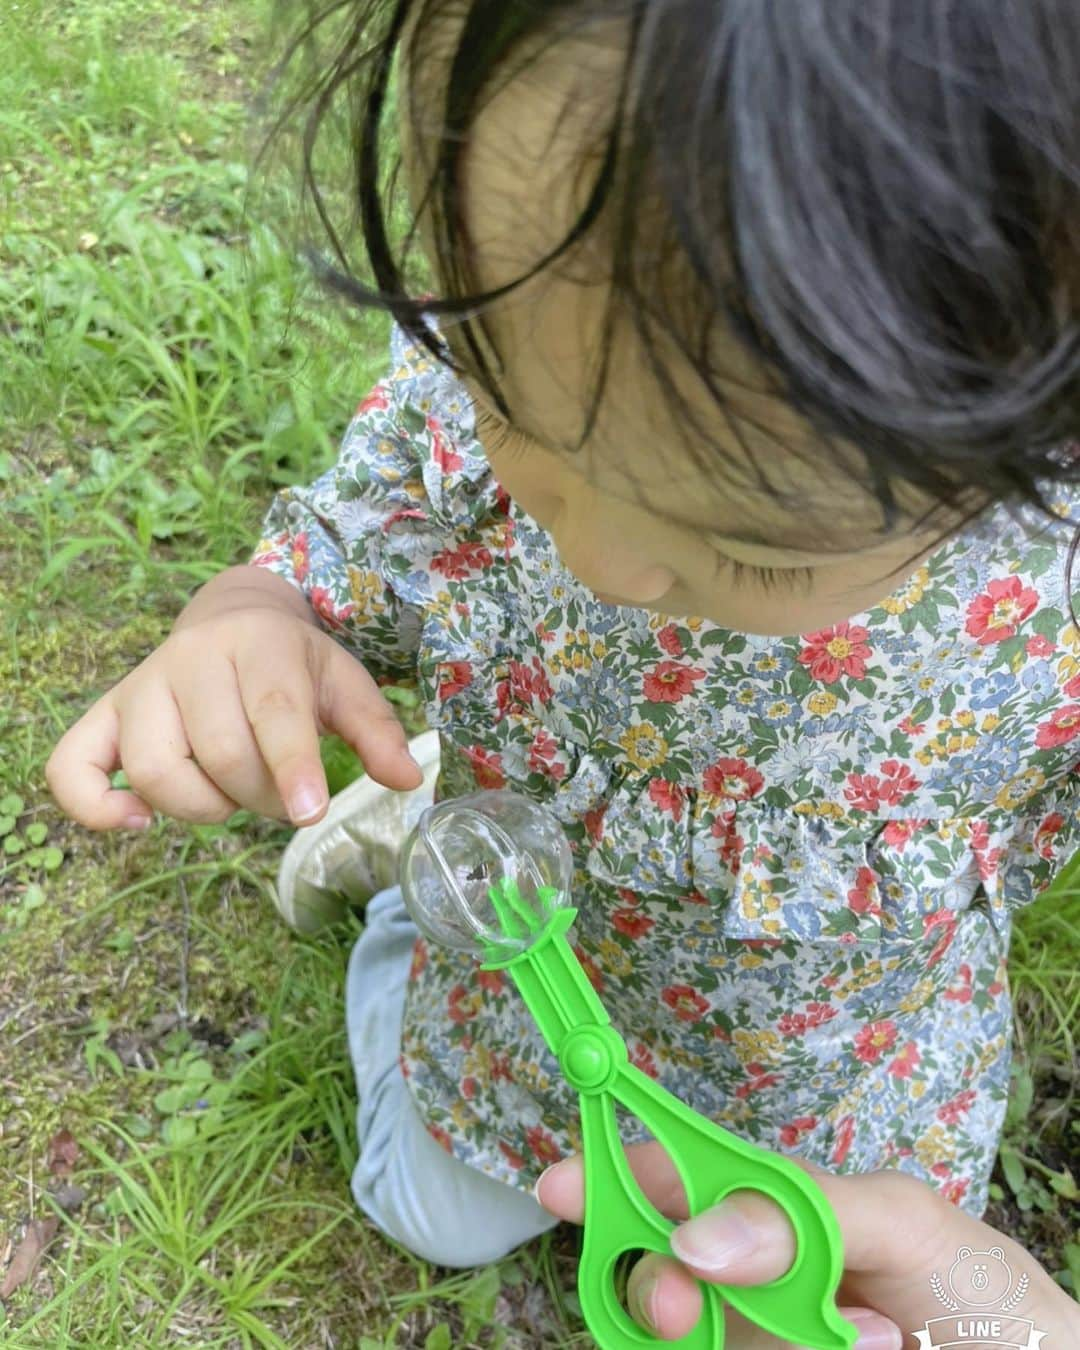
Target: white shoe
{"x": 352, "y": 853}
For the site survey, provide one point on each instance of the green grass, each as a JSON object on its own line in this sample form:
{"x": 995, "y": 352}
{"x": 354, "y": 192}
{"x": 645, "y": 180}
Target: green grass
{"x": 164, "y": 365}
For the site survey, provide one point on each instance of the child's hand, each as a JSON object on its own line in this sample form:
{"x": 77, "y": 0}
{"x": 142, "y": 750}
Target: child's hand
{"x": 227, "y": 714}
{"x": 897, "y": 1233}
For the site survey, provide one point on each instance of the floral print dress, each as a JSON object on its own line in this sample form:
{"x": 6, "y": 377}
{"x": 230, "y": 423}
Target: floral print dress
{"x": 797, "y": 858}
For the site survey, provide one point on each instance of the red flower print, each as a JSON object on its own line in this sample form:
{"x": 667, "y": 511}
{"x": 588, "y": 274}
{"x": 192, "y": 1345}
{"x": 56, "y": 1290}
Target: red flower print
{"x": 542, "y": 1145}
{"x": 845, "y": 1133}
{"x": 999, "y": 610}
{"x": 866, "y": 791}
{"x": 1044, "y": 835}
{"x": 441, "y": 1137}
{"x": 491, "y": 981}
{"x": 733, "y": 778}
{"x": 512, "y": 1156}
{"x": 544, "y": 634}
{"x": 905, "y": 1063}
{"x": 299, "y": 555}
{"x": 686, "y": 1003}
{"x": 376, "y": 399}
{"x": 961, "y": 991}
{"x": 529, "y": 682}
{"x": 322, "y": 602}
{"x": 898, "y": 832}
{"x": 441, "y": 452}
{"x": 499, "y": 1068}
{"x": 759, "y": 1080}
{"x": 862, "y": 898}
{"x": 452, "y": 677}
{"x": 670, "y": 682}
{"x": 875, "y": 1040}
{"x": 799, "y": 1023}
{"x": 667, "y": 796}
{"x": 1063, "y": 726}
{"x": 487, "y": 767}
{"x": 910, "y": 728}
{"x": 839, "y": 650}
{"x": 630, "y": 923}
{"x": 946, "y": 920}
{"x": 791, "y": 1133}
{"x": 723, "y": 827}
{"x": 457, "y": 563}
{"x": 468, "y": 1088}
{"x": 955, "y": 1190}
{"x": 419, "y": 958}
{"x": 641, "y": 1057}
{"x": 1072, "y": 688}
{"x": 668, "y": 639}
{"x": 542, "y": 756}
{"x": 592, "y": 971}
{"x": 954, "y": 1110}
{"x": 458, "y": 1009}
{"x": 1040, "y": 647}
{"x": 985, "y": 857}
{"x": 594, "y": 823}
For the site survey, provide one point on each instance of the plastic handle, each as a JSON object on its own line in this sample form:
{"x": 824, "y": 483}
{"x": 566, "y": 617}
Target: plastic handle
{"x": 800, "y": 1306}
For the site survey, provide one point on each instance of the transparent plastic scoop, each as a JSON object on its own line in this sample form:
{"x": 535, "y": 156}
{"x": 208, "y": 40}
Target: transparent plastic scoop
{"x": 491, "y": 873}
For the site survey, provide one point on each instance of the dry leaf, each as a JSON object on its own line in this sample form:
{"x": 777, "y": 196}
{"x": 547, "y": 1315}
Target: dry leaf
{"x": 39, "y": 1233}
{"x": 63, "y": 1153}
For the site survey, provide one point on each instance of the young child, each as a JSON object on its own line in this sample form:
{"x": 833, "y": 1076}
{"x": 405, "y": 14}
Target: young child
{"x": 729, "y": 530}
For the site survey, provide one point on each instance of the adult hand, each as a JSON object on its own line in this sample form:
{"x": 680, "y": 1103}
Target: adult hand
{"x": 897, "y": 1233}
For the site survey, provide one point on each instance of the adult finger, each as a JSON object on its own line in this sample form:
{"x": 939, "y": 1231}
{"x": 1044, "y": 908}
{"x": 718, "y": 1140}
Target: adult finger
{"x": 156, "y": 757}
{"x": 79, "y": 768}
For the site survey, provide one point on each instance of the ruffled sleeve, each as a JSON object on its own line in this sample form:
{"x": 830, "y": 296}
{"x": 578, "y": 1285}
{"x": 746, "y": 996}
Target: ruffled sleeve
{"x": 360, "y": 541}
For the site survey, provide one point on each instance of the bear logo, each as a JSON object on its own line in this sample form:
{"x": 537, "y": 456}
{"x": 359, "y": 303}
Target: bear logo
{"x": 980, "y": 1279}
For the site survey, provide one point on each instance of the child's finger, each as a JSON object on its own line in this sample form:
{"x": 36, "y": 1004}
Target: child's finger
{"x": 220, "y": 735}
{"x": 78, "y": 774}
{"x": 156, "y": 756}
{"x": 278, "y": 695}
{"x": 353, "y": 708}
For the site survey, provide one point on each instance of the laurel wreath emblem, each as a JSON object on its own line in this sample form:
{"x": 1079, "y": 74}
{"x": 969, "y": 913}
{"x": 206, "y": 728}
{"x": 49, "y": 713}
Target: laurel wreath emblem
{"x": 943, "y": 1298}
{"x": 1017, "y": 1294}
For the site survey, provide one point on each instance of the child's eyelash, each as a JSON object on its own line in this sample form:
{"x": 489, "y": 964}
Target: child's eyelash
{"x": 770, "y": 578}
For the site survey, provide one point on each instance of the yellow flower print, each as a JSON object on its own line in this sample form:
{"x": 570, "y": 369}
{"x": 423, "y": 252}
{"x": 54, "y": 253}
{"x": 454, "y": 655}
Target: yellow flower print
{"x": 821, "y": 704}
{"x": 645, "y": 747}
{"x": 914, "y": 593}
{"x": 365, "y": 589}
{"x": 1020, "y": 788}
{"x": 763, "y": 1046}
{"x": 613, "y": 960}
{"x": 750, "y": 961}
{"x": 965, "y": 718}
{"x": 917, "y": 997}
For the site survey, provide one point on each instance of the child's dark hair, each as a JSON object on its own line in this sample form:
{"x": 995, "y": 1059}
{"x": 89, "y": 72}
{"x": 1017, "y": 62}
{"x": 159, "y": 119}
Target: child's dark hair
{"x": 881, "y": 198}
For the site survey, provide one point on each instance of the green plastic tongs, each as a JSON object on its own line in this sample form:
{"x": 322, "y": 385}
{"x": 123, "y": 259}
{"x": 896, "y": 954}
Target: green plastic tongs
{"x": 491, "y": 872}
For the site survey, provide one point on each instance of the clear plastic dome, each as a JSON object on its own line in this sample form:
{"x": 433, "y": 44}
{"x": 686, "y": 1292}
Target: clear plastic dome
{"x": 463, "y": 848}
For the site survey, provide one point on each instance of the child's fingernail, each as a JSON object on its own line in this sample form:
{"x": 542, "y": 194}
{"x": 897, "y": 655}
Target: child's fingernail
{"x": 138, "y": 822}
{"x": 305, "y": 803}
{"x": 875, "y": 1332}
{"x": 714, "y": 1240}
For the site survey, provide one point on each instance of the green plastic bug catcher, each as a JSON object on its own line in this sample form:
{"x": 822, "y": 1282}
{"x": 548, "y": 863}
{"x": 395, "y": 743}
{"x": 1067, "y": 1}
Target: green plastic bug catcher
{"x": 491, "y": 873}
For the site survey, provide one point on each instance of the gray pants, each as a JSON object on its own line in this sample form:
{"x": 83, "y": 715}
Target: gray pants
{"x": 411, "y": 1188}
